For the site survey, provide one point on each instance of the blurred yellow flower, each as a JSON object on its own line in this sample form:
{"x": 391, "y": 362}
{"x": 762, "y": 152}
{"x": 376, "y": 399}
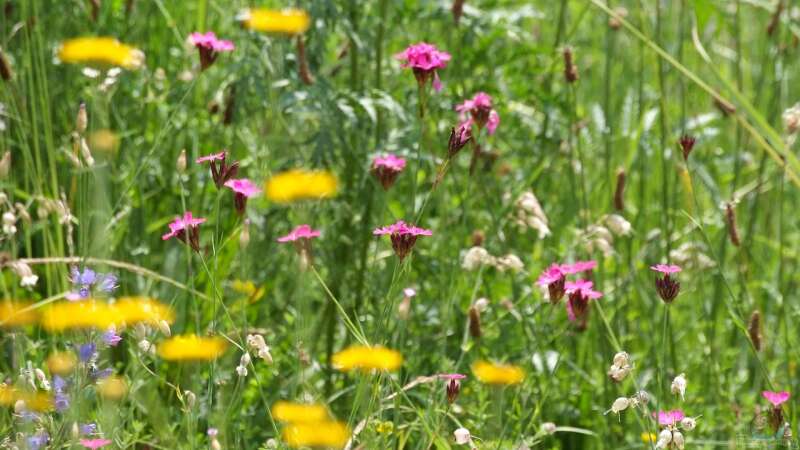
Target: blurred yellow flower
{"x": 132, "y": 310}
{"x": 319, "y": 434}
{"x": 112, "y": 388}
{"x": 104, "y": 141}
{"x": 34, "y": 401}
{"x": 249, "y": 289}
{"x": 13, "y": 314}
{"x": 367, "y": 358}
{"x": 386, "y": 427}
{"x": 489, "y": 373}
{"x": 192, "y": 348}
{"x": 61, "y": 363}
{"x": 100, "y": 50}
{"x": 299, "y": 184}
{"x": 287, "y": 21}
{"x": 649, "y": 438}
{"x": 298, "y": 412}
{"x": 83, "y": 314}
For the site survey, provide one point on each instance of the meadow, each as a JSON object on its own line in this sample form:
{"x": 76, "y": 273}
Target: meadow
{"x": 399, "y": 224}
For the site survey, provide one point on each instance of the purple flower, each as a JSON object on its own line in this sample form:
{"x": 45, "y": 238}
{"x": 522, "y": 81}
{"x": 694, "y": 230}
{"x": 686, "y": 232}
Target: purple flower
{"x": 83, "y": 283}
{"x": 86, "y": 351}
{"x": 38, "y": 440}
{"x": 109, "y": 283}
{"x": 100, "y": 374}
{"x": 59, "y": 384}
{"x": 111, "y": 338}
{"x": 61, "y": 401}
{"x": 88, "y": 428}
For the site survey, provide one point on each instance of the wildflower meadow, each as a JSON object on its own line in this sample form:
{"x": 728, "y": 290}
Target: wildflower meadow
{"x": 399, "y": 224}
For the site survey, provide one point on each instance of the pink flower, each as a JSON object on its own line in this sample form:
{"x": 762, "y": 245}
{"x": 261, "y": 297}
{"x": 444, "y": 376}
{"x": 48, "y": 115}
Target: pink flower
{"x": 220, "y": 170}
{"x": 386, "y": 169}
{"x": 451, "y": 376}
{"x": 95, "y": 443}
{"x": 209, "y": 47}
{"x": 666, "y": 269}
{"x": 453, "y": 385}
{"x": 459, "y": 137}
{"x": 424, "y": 59}
{"x": 480, "y": 112}
{"x": 181, "y": 226}
{"x": 776, "y": 398}
{"x": 243, "y": 189}
{"x": 554, "y": 279}
{"x": 403, "y": 236}
{"x": 300, "y": 232}
{"x": 578, "y": 267}
{"x": 409, "y": 292}
{"x": 580, "y": 292}
{"x": 666, "y": 418}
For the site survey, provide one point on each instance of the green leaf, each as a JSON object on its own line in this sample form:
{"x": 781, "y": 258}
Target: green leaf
{"x": 703, "y": 9}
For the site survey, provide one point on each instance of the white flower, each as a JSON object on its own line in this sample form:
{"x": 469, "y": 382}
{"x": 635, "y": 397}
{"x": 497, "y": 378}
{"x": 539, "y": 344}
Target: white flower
{"x": 679, "y": 385}
{"x": 481, "y": 304}
{"x": 688, "y": 423}
{"x": 549, "y": 427}
{"x": 620, "y": 404}
{"x": 509, "y": 262}
{"x": 9, "y": 222}
{"x": 476, "y": 257}
{"x": 27, "y": 277}
{"x": 145, "y": 346}
{"x": 618, "y": 225}
{"x": 529, "y": 214}
{"x": 791, "y": 119}
{"x": 664, "y": 438}
{"x": 462, "y": 436}
{"x": 618, "y": 373}
{"x": 677, "y": 440}
{"x": 163, "y": 325}
{"x": 241, "y": 371}
{"x": 621, "y": 359}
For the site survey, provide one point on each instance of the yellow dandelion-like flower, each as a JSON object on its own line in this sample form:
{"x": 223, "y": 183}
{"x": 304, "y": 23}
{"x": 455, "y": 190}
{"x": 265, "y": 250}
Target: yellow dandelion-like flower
{"x": 249, "y": 289}
{"x": 61, "y": 363}
{"x": 34, "y": 401}
{"x": 490, "y": 373}
{"x": 100, "y": 50}
{"x": 132, "y": 310}
{"x": 290, "y": 412}
{"x": 112, "y": 388}
{"x": 192, "y": 348}
{"x": 287, "y": 21}
{"x": 296, "y": 184}
{"x": 649, "y": 438}
{"x": 367, "y": 358}
{"x": 319, "y": 434}
{"x": 83, "y": 314}
{"x": 14, "y": 314}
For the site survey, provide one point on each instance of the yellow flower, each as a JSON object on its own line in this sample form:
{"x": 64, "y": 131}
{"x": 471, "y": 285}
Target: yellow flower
{"x": 298, "y": 412}
{"x": 61, "y": 363}
{"x": 367, "y": 358}
{"x": 192, "y": 348}
{"x": 386, "y": 427}
{"x": 490, "y": 373}
{"x": 83, "y": 314}
{"x": 132, "y": 310}
{"x": 319, "y": 434}
{"x": 102, "y": 50}
{"x": 13, "y": 314}
{"x": 112, "y": 388}
{"x": 299, "y": 184}
{"x": 249, "y": 289}
{"x": 34, "y": 401}
{"x": 649, "y": 438}
{"x": 287, "y": 21}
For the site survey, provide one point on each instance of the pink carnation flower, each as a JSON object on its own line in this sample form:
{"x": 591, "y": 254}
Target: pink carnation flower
{"x": 300, "y": 232}
{"x": 667, "y": 287}
{"x": 95, "y": 443}
{"x": 387, "y": 168}
{"x": 209, "y": 47}
{"x": 243, "y": 189}
{"x": 776, "y": 398}
{"x": 453, "y": 385}
{"x": 403, "y": 236}
{"x": 666, "y": 418}
{"x": 580, "y": 293}
{"x": 479, "y": 109}
{"x": 578, "y": 267}
{"x": 220, "y": 170}
{"x": 186, "y": 230}
{"x": 459, "y": 137}
{"x": 666, "y": 269}
{"x": 554, "y": 279}
{"x": 424, "y": 59}
{"x": 212, "y": 157}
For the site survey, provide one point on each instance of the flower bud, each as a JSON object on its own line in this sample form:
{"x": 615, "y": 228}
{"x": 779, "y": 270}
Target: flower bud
{"x": 677, "y": 440}
{"x": 664, "y": 438}
{"x": 679, "y": 385}
{"x": 81, "y": 121}
{"x": 180, "y": 164}
{"x": 688, "y": 423}
{"x": 549, "y": 427}
{"x": 163, "y": 326}
{"x": 462, "y": 436}
{"x": 19, "y": 406}
{"x": 5, "y": 165}
{"x": 189, "y": 398}
{"x": 621, "y": 359}
{"x": 620, "y": 404}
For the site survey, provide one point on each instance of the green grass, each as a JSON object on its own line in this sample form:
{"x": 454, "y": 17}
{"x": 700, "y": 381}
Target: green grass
{"x": 641, "y": 87}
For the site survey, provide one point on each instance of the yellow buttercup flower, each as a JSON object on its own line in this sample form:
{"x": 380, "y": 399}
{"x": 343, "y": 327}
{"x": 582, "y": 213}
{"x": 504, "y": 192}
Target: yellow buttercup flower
{"x": 34, "y": 401}
{"x": 192, "y": 348}
{"x": 83, "y": 314}
{"x": 132, "y": 310}
{"x": 489, "y": 373}
{"x": 287, "y": 21}
{"x": 100, "y": 50}
{"x": 319, "y": 434}
{"x": 298, "y": 412}
{"x": 300, "y": 184}
{"x": 61, "y": 363}
{"x": 649, "y": 438}
{"x": 367, "y": 358}
{"x": 14, "y": 314}
{"x": 112, "y": 388}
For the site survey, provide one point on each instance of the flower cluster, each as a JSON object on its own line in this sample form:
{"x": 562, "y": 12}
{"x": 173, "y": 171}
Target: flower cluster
{"x": 554, "y": 277}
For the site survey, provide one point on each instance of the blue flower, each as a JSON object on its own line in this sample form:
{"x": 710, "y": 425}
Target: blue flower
{"x": 111, "y": 338}
{"x": 38, "y": 440}
{"x": 86, "y": 351}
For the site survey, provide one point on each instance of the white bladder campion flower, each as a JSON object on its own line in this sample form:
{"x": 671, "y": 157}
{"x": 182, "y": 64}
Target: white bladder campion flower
{"x": 688, "y": 423}
{"x": 462, "y": 436}
{"x": 619, "y": 405}
{"x": 664, "y": 438}
{"x": 620, "y": 368}
{"x": 549, "y": 427}
{"x": 679, "y": 385}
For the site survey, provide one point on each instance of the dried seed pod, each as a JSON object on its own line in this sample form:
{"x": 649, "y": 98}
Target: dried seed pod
{"x": 754, "y": 330}
{"x": 730, "y": 219}
{"x": 5, "y": 68}
{"x": 619, "y": 192}
{"x": 474, "y": 322}
{"x": 570, "y": 69}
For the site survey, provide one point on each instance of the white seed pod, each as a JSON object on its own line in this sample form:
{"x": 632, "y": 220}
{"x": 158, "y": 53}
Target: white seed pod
{"x": 241, "y": 371}
{"x": 245, "y": 359}
{"x": 679, "y": 385}
{"x": 145, "y": 345}
{"x": 264, "y": 354}
{"x": 81, "y": 120}
{"x": 664, "y": 438}
{"x": 5, "y": 165}
{"x": 549, "y": 427}
{"x": 215, "y": 445}
{"x": 20, "y": 407}
{"x": 180, "y": 164}
{"x": 620, "y": 404}
{"x": 462, "y": 436}
{"x": 42, "y": 379}
{"x": 677, "y": 440}
{"x": 163, "y": 326}
{"x": 76, "y": 431}
{"x": 621, "y": 359}
{"x": 189, "y": 398}
{"x": 688, "y": 423}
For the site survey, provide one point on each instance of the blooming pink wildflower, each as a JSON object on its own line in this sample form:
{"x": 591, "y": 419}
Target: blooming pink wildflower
{"x": 479, "y": 109}
{"x": 300, "y": 232}
{"x": 181, "y": 226}
{"x": 220, "y": 170}
{"x": 209, "y": 47}
{"x": 776, "y": 398}
{"x": 666, "y": 418}
{"x": 453, "y": 385}
{"x": 459, "y": 137}
{"x": 667, "y": 287}
{"x": 578, "y": 267}
{"x": 580, "y": 292}
{"x": 425, "y": 60}
{"x": 243, "y": 189}
{"x": 95, "y": 443}
{"x": 403, "y": 236}
{"x": 387, "y": 168}
{"x": 554, "y": 279}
